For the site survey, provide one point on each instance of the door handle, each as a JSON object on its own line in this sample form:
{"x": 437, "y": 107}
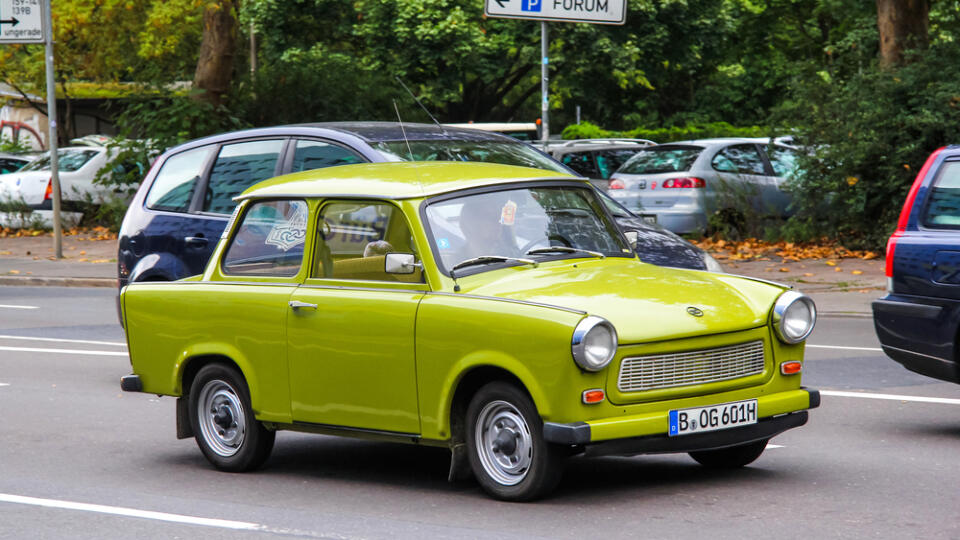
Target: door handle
{"x": 296, "y": 305}
{"x": 195, "y": 241}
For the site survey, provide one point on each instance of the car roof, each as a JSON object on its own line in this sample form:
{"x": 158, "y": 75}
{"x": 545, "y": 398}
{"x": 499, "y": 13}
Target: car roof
{"x": 397, "y": 180}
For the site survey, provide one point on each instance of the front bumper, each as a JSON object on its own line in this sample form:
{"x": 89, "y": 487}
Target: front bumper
{"x": 586, "y": 433}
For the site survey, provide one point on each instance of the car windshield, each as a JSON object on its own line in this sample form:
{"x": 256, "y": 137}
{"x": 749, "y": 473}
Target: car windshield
{"x": 520, "y": 223}
{"x": 504, "y": 153}
{"x": 661, "y": 159}
{"x": 70, "y": 160}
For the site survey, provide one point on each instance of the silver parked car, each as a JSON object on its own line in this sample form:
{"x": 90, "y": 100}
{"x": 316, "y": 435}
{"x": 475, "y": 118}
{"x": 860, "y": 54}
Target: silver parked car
{"x": 677, "y": 185}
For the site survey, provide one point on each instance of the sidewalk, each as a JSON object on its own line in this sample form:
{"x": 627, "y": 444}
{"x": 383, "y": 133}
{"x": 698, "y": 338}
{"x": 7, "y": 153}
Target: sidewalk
{"x": 840, "y": 287}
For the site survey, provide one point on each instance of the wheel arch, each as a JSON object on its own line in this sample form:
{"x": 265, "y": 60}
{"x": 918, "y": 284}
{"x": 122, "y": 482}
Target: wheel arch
{"x": 469, "y": 382}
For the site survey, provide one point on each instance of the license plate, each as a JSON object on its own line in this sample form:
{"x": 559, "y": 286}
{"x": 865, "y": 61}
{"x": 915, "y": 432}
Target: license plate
{"x": 723, "y": 416}
{"x": 649, "y": 218}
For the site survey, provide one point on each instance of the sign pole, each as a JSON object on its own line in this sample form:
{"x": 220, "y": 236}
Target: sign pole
{"x": 544, "y": 84}
{"x": 52, "y": 121}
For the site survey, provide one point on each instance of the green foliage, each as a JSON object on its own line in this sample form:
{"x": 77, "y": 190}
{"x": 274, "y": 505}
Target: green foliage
{"x": 586, "y": 130}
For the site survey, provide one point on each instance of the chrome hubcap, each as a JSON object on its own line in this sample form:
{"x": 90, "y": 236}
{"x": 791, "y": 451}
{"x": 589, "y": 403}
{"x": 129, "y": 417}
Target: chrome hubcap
{"x": 221, "y": 418}
{"x": 504, "y": 443}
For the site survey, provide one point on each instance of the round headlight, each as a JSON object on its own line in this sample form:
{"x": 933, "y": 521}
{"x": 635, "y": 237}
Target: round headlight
{"x": 594, "y": 343}
{"x": 794, "y": 315}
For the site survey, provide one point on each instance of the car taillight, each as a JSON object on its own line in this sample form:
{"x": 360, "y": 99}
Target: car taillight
{"x": 616, "y": 183}
{"x": 905, "y": 211}
{"x": 686, "y": 182}
{"x": 48, "y": 194}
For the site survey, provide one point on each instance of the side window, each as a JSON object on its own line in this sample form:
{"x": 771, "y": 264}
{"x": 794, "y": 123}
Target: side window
{"x": 739, "y": 158}
{"x": 173, "y": 187}
{"x": 581, "y": 163}
{"x": 943, "y": 206}
{"x": 354, "y": 238}
{"x": 311, "y": 155}
{"x": 10, "y": 165}
{"x": 782, "y": 159}
{"x": 608, "y": 161}
{"x": 269, "y": 241}
{"x": 238, "y": 167}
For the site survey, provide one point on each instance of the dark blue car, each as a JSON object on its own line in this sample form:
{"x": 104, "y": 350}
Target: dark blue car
{"x": 185, "y": 201}
{"x": 917, "y": 321}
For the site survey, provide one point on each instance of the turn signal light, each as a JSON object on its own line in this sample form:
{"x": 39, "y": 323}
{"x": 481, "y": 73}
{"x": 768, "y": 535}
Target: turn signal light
{"x": 791, "y": 368}
{"x": 616, "y": 183}
{"x": 593, "y": 396}
{"x": 686, "y": 182}
{"x": 48, "y": 194}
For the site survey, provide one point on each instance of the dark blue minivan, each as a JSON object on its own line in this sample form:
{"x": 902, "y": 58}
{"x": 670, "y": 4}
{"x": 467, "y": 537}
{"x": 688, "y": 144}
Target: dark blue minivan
{"x": 917, "y": 321}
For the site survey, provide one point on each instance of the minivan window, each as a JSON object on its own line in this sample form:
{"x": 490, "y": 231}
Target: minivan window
{"x": 661, "y": 160}
{"x": 504, "y": 153}
{"x": 173, "y": 187}
{"x": 238, "y": 167}
{"x": 311, "y": 155}
{"x": 943, "y": 208}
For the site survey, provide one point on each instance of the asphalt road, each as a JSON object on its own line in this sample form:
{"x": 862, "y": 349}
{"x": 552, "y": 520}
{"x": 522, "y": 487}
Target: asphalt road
{"x": 81, "y": 459}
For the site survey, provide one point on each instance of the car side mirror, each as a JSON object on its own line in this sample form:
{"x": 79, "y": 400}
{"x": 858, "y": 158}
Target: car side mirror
{"x": 400, "y": 263}
{"x": 632, "y": 237}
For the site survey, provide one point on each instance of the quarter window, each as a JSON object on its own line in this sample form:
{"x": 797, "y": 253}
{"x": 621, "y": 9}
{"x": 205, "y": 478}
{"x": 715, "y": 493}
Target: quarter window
{"x": 740, "y": 158}
{"x": 238, "y": 167}
{"x": 943, "y": 208}
{"x": 173, "y": 187}
{"x": 269, "y": 241}
{"x": 311, "y": 155}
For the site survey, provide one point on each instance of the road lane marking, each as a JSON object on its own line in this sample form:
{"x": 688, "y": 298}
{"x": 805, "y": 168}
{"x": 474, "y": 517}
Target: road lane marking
{"x": 4, "y": 384}
{"x": 8, "y": 306}
{"x": 64, "y": 351}
{"x": 890, "y": 397}
{"x": 132, "y": 512}
{"x": 61, "y": 340}
{"x": 872, "y": 349}
{"x": 772, "y": 446}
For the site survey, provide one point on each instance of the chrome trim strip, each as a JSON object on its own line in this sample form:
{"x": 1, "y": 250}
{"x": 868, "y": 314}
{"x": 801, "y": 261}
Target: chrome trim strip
{"x": 915, "y": 353}
{"x": 761, "y": 280}
{"x": 510, "y": 300}
{"x": 349, "y": 288}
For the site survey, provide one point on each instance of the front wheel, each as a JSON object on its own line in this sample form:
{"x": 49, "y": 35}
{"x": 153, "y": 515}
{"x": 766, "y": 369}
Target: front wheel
{"x": 505, "y": 444}
{"x": 223, "y": 421}
{"x": 730, "y": 458}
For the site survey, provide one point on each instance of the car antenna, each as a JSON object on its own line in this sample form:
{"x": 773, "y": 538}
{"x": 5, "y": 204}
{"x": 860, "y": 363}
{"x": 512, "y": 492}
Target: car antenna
{"x": 439, "y": 125}
{"x": 403, "y": 131}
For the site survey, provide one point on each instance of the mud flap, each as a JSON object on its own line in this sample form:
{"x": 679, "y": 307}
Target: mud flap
{"x": 184, "y": 430}
{"x": 459, "y": 464}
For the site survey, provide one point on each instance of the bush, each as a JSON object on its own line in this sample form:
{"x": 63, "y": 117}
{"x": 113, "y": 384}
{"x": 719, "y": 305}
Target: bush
{"x": 586, "y": 130}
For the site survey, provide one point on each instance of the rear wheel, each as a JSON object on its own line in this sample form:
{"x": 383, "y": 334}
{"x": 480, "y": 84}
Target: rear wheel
{"x": 730, "y": 458}
{"x": 223, "y": 421}
{"x": 505, "y": 444}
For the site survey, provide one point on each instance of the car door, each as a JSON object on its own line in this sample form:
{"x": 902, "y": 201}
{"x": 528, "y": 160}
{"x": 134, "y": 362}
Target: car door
{"x": 350, "y": 329}
{"x": 742, "y": 176}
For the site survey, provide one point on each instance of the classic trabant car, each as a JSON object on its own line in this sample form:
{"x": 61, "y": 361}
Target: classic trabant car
{"x": 473, "y": 306}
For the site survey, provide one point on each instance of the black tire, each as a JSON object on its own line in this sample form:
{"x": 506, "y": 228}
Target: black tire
{"x": 223, "y": 422}
{"x": 505, "y": 444}
{"x": 730, "y": 458}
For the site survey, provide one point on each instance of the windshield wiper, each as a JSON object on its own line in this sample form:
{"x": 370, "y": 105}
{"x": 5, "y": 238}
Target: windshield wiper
{"x": 564, "y": 249}
{"x": 484, "y": 259}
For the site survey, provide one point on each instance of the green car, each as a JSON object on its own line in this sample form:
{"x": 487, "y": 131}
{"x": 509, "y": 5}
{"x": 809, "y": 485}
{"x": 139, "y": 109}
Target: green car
{"x": 493, "y": 310}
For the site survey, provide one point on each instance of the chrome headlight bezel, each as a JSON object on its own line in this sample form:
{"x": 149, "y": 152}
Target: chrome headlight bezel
{"x": 584, "y": 358}
{"x": 784, "y": 312}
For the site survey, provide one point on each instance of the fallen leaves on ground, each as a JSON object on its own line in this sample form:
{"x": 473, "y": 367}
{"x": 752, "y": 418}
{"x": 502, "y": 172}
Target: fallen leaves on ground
{"x": 754, "y": 249}
{"x": 88, "y": 234}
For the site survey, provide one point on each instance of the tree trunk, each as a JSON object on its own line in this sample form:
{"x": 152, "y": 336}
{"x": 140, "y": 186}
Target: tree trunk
{"x": 903, "y": 24}
{"x": 215, "y": 62}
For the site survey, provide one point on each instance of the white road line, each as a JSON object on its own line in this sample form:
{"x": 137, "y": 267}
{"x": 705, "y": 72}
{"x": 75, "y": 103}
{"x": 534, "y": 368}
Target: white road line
{"x": 891, "y": 397}
{"x": 60, "y": 340}
{"x": 772, "y": 446}
{"x": 64, "y": 351}
{"x": 8, "y": 306}
{"x": 873, "y": 349}
{"x": 132, "y": 512}
{"x": 4, "y": 384}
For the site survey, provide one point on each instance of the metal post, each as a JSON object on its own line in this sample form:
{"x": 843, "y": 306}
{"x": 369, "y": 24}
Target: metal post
{"x": 52, "y": 121}
{"x": 544, "y": 85}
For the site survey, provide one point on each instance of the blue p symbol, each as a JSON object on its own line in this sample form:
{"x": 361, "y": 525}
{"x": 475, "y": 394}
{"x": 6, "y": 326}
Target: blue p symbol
{"x": 531, "y": 5}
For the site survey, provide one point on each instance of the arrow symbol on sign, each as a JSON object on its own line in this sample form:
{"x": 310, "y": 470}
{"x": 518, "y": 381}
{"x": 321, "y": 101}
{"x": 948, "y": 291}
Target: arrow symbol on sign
{"x": 502, "y": 3}
{"x": 12, "y": 21}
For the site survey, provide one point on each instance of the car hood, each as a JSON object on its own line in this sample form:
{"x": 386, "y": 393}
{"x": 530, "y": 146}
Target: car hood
{"x": 643, "y": 301}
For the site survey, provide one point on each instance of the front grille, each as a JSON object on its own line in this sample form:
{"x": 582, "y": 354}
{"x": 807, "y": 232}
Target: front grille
{"x": 691, "y": 367}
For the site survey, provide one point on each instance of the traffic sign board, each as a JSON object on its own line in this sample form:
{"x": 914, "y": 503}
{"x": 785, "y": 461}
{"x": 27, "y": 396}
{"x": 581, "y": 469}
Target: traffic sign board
{"x": 21, "y": 21}
{"x": 588, "y": 11}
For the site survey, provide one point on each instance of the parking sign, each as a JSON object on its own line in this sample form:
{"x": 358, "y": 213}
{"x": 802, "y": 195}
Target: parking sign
{"x": 587, "y": 11}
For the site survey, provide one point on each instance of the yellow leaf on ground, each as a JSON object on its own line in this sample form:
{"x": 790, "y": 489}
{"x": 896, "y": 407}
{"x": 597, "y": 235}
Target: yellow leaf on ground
{"x": 807, "y": 274}
{"x": 14, "y": 271}
{"x": 838, "y": 269}
{"x": 784, "y": 269}
{"x": 857, "y": 272}
{"x": 6, "y": 253}
{"x": 831, "y": 263}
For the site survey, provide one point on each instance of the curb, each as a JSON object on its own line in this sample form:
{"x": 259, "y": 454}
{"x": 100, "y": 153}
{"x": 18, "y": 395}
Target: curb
{"x": 35, "y": 281}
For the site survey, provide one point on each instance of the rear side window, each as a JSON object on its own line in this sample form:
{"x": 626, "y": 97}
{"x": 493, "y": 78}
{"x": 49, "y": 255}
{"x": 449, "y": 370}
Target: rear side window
{"x": 238, "y": 167}
{"x": 173, "y": 187}
{"x": 943, "y": 206}
{"x": 582, "y": 163}
{"x": 739, "y": 158}
{"x": 661, "y": 160}
{"x": 311, "y": 155}
{"x": 782, "y": 159}
{"x": 269, "y": 241}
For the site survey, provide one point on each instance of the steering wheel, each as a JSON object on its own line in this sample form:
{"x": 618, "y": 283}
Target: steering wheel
{"x": 563, "y": 241}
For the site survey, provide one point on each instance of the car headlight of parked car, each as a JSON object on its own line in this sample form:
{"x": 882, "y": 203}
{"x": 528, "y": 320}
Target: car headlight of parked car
{"x": 594, "y": 343}
{"x": 794, "y": 315}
